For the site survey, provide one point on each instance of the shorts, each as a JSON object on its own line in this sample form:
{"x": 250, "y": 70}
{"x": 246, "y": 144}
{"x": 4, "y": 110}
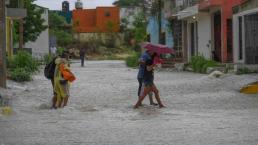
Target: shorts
{"x": 148, "y": 82}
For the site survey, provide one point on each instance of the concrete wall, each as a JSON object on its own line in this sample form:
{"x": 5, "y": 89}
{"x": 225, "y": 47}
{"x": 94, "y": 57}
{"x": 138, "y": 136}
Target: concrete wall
{"x": 103, "y": 37}
{"x": 41, "y": 46}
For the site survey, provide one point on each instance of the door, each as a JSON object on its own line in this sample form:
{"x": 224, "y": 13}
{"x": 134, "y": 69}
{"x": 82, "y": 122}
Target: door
{"x": 217, "y": 37}
{"x": 251, "y": 39}
{"x": 194, "y": 39}
{"x": 229, "y": 40}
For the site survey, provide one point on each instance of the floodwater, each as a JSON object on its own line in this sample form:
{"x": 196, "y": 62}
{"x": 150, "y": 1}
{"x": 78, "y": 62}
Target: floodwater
{"x": 199, "y": 110}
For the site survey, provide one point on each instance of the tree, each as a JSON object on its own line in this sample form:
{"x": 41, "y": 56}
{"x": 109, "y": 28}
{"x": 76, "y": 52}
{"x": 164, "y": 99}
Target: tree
{"x": 140, "y": 26}
{"x": 56, "y": 21}
{"x": 33, "y": 23}
{"x": 56, "y": 28}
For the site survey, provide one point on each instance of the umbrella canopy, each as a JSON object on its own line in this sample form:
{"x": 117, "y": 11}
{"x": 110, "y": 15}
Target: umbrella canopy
{"x": 158, "y": 48}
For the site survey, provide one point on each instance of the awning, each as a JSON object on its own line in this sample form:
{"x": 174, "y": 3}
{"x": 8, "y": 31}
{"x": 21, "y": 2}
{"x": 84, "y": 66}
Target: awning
{"x": 188, "y": 12}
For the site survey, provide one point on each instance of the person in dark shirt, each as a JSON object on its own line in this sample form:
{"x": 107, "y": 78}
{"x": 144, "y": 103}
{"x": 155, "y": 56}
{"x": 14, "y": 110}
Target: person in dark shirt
{"x": 82, "y": 56}
{"x": 148, "y": 80}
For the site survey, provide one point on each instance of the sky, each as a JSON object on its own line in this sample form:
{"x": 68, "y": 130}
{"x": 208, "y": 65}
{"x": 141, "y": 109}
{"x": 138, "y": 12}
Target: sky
{"x": 57, "y": 4}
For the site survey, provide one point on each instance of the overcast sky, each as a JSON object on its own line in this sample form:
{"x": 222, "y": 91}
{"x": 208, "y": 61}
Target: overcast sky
{"x": 57, "y": 4}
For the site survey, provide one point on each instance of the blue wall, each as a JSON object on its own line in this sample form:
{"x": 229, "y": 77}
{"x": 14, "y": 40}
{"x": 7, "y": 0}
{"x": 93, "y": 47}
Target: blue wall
{"x": 153, "y": 30}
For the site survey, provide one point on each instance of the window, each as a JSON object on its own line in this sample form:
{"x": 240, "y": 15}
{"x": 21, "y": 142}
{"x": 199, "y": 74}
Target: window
{"x": 107, "y": 14}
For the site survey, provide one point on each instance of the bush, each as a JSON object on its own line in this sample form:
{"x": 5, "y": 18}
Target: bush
{"x": 60, "y": 50}
{"x": 244, "y": 71}
{"x": 20, "y": 75}
{"x": 21, "y": 66}
{"x": 47, "y": 58}
{"x": 200, "y": 64}
{"x": 23, "y": 60}
{"x": 132, "y": 61}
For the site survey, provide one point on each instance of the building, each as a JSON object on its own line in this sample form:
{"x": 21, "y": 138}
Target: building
{"x": 245, "y": 27}
{"x": 40, "y": 47}
{"x": 65, "y": 6}
{"x": 206, "y": 28}
{"x": 65, "y": 12}
{"x": 196, "y": 30}
{"x": 101, "y": 19}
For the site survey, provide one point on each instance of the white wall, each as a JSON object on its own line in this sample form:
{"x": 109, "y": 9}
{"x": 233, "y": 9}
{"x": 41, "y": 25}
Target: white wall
{"x": 41, "y": 46}
{"x": 204, "y": 35}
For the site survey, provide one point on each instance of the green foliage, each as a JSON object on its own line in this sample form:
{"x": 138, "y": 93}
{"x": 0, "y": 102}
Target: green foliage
{"x": 110, "y": 26}
{"x": 200, "y": 64}
{"x": 56, "y": 25}
{"x": 20, "y": 75}
{"x": 60, "y": 50}
{"x": 33, "y": 23}
{"x": 23, "y": 60}
{"x": 140, "y": 26}
{"x": 47, "y": 58}
{"x": 132, "y": 61}
{"x": 244, "y": 70}
{"x": 63, "y": 38}
{"x": 15, "y": 32}
{"x": 56, "y": 21}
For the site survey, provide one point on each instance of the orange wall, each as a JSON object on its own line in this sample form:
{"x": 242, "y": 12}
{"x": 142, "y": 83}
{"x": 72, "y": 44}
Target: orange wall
{"x": 95, "y": 20}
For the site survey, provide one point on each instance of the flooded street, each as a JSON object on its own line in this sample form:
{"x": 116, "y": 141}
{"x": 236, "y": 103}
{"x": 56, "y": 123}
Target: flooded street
{"x": 199, "y": 110}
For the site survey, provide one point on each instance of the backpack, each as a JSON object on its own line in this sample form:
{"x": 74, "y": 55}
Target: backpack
{"x": 50, "y": 69}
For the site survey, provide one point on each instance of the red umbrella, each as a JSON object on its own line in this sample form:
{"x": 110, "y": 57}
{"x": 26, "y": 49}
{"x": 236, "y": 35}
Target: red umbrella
{"x": 158, "y": 48}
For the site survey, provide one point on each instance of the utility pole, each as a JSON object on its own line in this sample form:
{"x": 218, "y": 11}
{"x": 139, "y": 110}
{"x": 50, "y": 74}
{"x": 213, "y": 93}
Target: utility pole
{"x": 2, "y": 45}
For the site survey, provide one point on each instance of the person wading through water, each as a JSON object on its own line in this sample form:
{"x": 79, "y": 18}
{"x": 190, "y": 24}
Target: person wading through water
{"x": 142, "y": 62}
{"x": 148, "y": 82}
{"x": 62, "y": 78}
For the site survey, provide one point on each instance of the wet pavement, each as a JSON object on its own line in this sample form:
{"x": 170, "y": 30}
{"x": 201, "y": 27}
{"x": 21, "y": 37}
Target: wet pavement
{"x": 200, "y": 110}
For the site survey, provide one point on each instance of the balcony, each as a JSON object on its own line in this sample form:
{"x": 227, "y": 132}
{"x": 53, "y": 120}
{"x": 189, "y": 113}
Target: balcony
{"x": 15, "y": 9}
{"x": 16, "y": 13}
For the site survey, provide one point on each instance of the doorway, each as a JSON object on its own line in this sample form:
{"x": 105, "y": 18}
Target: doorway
{"x": 217, "y": 37}
{"x": 229, "y": 40}
{"x": 193, "y": 38}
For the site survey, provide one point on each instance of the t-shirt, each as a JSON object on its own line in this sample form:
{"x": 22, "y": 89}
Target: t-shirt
{"x": 148, "y": 75}
{"x": 144, "y": 57}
